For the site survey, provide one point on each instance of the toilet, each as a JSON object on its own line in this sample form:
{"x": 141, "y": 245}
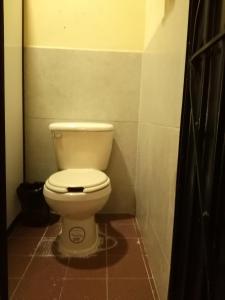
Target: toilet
{"x": 80, "y": 189}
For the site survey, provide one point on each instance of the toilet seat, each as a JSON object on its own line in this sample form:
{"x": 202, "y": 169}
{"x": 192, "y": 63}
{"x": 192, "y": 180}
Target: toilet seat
{"x": 77, "y": 181}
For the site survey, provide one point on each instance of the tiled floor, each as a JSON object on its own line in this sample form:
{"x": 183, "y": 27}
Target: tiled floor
{"x": 120, "y": 271}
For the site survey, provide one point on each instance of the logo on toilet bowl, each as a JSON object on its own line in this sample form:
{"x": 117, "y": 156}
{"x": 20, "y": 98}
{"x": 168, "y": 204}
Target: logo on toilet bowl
{"x": 76, "y": 235}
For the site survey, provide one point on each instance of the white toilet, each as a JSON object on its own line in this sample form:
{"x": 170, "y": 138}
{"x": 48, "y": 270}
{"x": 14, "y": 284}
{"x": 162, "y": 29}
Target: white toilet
{"x": 80, "y": 189}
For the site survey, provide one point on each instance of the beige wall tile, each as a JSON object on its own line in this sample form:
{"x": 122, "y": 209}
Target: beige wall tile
{"x": 143, "y": 186}
{"x": 163, "y": 152}
{"x": 156, "y": 181}
{"x": 87, "y": 85}
{"x": 122, "y": 200}
{"x": 163, "y": 69}
{"x": 122, "y": 165}
{"x": 39, "y": 152}
{"x": 158, "y": 135}
{"x": 159, "y": 265}
{"x": 162, "y": 88}
{"x": 155, "y": 193}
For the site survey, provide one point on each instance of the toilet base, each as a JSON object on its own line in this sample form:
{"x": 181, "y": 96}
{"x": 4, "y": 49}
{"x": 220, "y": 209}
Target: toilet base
{"x": 78, "y": 238}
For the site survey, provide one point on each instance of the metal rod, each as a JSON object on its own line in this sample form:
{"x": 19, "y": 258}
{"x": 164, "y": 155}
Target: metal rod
{"x": 207, "y": 46}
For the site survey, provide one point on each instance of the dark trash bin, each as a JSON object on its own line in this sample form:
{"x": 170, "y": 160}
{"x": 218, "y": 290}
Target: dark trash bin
{"x": 35, "y": 211}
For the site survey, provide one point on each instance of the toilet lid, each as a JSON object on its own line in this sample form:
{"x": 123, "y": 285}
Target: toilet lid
{"x": 77, "y": 180}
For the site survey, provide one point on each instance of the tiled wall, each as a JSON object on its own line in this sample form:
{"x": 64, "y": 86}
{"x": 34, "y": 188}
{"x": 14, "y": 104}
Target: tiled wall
{"x": 158, "y": 137}
{"x": 78, "y": 85}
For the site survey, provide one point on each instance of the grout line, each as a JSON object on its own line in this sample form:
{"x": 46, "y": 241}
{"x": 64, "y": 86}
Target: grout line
{"x": 66, "y": 270}
{"x": 24, "y": 237}
{"x": 106, "y": 257}
{"x": 65, "y": 273}
{"x": 83, "y": 278}
{"x": 126, "y": 238}
{"x": 145, "y": 264}
{"x": 146, "y": 268}
{"x": 102, "y": 278}
{"x": 49, "y": 255}
{"x": 137, "y": 230}
{"x": 30, "y": 117}
{"x": 21, "y": 255}
{"x": 149, "y": 278}
{"x": 61, "y": 290}
{"x": 156, "y": 290}
{"x": 113, "y": 51}
{"x": 28, "y": 265}
{"x": 137, "y": 226}
{"x": 160, "y": 246}
{"x": 134, "y": 221}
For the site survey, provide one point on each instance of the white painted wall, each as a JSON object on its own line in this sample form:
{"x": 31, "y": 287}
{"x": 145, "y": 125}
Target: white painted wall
{"x": 13, "y": 104}
{"x": 154, "y": 14}
{"x": 83, "y": 24}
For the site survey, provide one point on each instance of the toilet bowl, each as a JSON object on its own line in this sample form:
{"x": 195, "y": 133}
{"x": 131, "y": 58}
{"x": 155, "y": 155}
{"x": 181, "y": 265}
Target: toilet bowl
{"x": 76, "y": 195}
{"x": 81, "y": 188}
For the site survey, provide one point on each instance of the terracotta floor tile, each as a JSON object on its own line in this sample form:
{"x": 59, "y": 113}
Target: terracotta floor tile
{"x": 47, "y": 247}
{"x": 154, "y": 290}
{"x": 122, "y": 230}
{"x": 22, "y": 246}
{"x": 12, "y": 283}
{"x": 146, "y": 259}
{"x": 27, "y": 231}
{"x": 115, "y": 218}
{"x": 123, "y": 246}
{"x": 50, "y": 276}
{"x": 46, "y": 267}
{"x": 129, "y": 289}
{"x": 92, "y": 267}
{"x": 143, "y": 248}
{"x": 127, "y": 266}
{"x": 53, "y": 230}
{"x": 17, "y": 265}
{"x": 84, "y": 289}
{"x": 137, "y": 228}
{"x": 42, "y": 289}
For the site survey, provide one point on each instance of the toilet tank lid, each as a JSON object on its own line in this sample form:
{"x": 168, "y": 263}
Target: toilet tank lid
{"x": 81, "y": 126}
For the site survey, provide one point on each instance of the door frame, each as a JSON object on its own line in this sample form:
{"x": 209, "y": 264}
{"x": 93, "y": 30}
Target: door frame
{"x": 181, "y": 228}
{"x": 3, "y": 220}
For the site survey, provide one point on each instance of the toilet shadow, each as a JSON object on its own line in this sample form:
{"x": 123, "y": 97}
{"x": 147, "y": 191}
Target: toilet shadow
{"x": 53, "y": 218}
{"x": 112, "y": 249}
{"x": 115, "y": 251}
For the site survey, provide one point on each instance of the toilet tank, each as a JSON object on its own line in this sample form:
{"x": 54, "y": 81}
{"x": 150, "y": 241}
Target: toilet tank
{"x": 82, "y": 144}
